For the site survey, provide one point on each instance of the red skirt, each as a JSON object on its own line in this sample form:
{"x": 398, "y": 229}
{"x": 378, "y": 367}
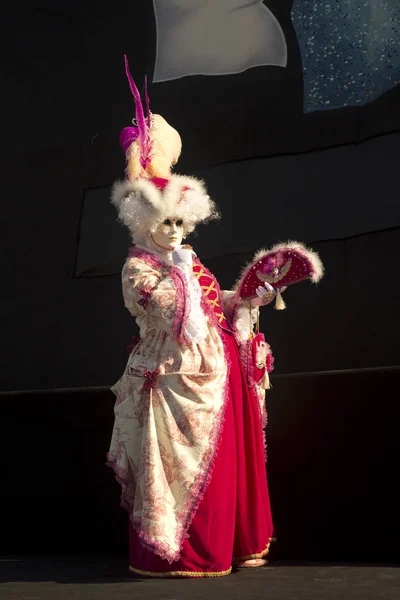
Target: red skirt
{"x": 233, "y": 521}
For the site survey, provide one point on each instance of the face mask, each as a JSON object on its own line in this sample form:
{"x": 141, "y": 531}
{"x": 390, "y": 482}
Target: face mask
{"x": 169, "y": 234}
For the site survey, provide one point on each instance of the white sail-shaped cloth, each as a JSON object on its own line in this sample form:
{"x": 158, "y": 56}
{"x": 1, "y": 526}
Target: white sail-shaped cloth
{"x": 199, "y": 37}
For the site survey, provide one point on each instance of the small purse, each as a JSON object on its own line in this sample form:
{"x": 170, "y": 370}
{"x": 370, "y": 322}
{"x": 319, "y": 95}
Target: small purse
{"x": 260, "y": 361}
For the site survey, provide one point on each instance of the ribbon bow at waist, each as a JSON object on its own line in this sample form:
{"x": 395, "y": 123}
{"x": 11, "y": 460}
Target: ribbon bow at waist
{"x": 150, "y": 380}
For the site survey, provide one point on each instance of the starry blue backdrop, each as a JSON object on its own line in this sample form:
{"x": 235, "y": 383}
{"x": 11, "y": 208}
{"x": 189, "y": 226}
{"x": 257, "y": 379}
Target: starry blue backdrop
{"x": 350, "y": 50}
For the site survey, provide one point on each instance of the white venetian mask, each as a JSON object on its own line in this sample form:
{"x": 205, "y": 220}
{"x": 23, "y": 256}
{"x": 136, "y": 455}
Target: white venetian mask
{"x": 169, "y": 234}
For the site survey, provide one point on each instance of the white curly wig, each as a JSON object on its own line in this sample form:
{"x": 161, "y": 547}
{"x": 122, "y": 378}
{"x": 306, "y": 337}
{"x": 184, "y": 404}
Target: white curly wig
{"x": 142, "y": 206}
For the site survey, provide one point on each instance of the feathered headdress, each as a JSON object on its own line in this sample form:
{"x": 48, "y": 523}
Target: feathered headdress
{"x": 150, "y": 193}
{"x": 151, "y": 146}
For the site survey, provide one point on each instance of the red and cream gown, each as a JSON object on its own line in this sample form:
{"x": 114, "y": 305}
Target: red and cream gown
{"x": 187, "y": 445}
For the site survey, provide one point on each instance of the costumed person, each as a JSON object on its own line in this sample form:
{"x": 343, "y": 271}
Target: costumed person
{"x": 188, "y": 446}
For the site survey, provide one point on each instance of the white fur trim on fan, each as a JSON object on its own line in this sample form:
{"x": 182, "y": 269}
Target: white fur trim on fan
{"x": 311, "y": 255}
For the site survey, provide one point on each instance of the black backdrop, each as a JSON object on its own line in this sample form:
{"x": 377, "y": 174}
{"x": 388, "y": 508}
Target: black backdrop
{"x": 327, "y": 178}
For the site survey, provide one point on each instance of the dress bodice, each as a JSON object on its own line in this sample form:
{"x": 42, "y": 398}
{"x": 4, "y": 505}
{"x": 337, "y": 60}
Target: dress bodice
{"x": 211, "y": 292}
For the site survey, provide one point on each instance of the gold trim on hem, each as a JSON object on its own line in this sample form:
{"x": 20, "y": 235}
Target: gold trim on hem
{"x": 250, "y": 556}
{"x": 181, "y": 573}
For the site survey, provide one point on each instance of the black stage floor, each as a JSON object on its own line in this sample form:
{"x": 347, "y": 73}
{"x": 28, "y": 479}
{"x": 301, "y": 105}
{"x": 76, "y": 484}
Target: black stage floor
{"x": 25, "y": 578}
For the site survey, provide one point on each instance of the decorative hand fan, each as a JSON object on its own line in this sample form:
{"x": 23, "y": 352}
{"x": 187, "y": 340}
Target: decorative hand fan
{"x": 283, "y": 265}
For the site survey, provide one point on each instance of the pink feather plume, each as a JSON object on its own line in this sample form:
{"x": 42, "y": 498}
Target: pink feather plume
{"x": 143, "y": 126}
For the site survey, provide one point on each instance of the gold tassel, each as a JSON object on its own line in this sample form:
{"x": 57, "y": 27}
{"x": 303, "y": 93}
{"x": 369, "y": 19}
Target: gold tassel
{"x": 266, "y": 384}
{"x": 279, "y": 302}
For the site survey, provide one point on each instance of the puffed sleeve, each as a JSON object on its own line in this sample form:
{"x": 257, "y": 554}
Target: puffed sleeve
{"x": 158, "y": 294}
{"x": 240, "y": 314}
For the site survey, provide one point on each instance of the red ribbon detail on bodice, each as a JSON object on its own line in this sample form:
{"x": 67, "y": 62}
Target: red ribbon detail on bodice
{"x": 212, "y": 293}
